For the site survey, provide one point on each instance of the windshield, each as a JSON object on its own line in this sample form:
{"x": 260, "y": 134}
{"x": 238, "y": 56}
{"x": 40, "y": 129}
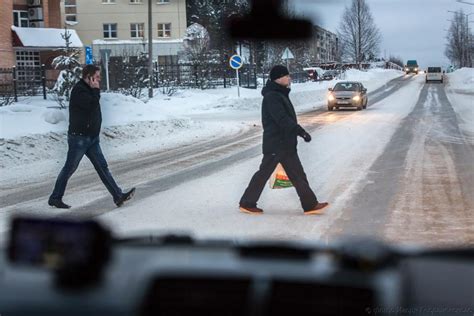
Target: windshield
{"x": 346, "y": 86}
{"x": 199, "y": 132}
{"x": 434, "y": 69}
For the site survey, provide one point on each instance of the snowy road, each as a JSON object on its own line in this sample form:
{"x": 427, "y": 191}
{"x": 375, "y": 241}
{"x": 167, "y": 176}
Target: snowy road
{"x": 381, "y": 170}
{"x": 163, "y": 169}
{"x": 422, "y": 187}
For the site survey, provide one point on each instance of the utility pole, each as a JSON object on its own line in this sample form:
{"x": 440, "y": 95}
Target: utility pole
{"x": 150, "y": 50}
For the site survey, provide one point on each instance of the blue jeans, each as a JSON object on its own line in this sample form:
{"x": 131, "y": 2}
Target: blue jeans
{"x": 78, "y": 147}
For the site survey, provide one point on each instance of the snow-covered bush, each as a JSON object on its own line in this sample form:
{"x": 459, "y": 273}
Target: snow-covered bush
{"x": 196, "y": 41}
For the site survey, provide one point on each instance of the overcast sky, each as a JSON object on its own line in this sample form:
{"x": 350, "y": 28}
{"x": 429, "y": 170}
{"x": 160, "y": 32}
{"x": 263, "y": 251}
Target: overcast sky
{"x": 411, "y": 29}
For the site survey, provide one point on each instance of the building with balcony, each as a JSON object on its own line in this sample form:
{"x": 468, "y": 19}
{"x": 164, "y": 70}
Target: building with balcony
{"x": 325, "y": 45}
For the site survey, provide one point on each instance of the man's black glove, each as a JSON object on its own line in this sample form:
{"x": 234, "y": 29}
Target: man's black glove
{"x": 306, "y": 137}
{"x": 302, "y": 133}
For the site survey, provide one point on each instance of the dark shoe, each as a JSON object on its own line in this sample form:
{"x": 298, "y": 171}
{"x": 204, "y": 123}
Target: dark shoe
{"x": 125, "y": 197}
{"x": 317, "y": 209}
{"x": 58, "y": 203}
{"x": 251, "y": 210}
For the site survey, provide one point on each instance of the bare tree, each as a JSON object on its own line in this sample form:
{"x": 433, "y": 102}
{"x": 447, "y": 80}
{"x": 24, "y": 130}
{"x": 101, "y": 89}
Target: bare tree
{"x": 359, "y": 36}
{"x": 459, "y": 48}
{"x": 396, "y": 60}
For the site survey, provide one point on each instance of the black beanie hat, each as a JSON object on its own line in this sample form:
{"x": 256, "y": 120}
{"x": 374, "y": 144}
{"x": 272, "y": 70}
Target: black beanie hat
{"x": 278, "y": 71}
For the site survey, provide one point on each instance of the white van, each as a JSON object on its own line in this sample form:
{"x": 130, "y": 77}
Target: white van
{"x": 434, "y": 74}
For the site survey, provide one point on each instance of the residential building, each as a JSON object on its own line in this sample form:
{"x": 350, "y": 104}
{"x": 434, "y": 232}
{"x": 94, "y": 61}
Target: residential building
{"x": 121, "y": 26}
{"x": 31, "y": 36}
{"x": 17, "y": 49}
{"x": 325, "y": 45}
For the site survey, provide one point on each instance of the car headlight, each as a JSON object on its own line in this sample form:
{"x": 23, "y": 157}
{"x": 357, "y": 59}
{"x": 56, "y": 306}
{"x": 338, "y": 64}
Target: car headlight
{"x": 356, "y": 98}
{"x": 331, "y": 97}
{"x": 416, "y": 69}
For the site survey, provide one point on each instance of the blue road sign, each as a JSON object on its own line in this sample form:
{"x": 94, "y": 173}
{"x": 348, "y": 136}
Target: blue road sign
{"x": 89, "y": 57}
{"x": 236, "y": 62}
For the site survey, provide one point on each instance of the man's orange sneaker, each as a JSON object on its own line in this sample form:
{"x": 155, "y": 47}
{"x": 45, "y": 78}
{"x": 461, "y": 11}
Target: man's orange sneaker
{"x": 317, "y": 209}
{"x": 251, "y": 210}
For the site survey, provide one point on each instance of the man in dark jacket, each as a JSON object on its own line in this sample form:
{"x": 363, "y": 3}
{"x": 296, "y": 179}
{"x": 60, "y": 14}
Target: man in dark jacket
{"x": 280, "y": 131}
{"x": 85, "y": 120}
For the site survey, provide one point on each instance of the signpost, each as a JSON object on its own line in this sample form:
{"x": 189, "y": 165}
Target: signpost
{"x": 287, "y": 54}
{"x": 236, "y": 63}
{"x": 89, "y": 57}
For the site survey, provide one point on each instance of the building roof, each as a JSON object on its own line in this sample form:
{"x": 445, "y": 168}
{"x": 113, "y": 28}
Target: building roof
{"x": 45, "y": 37}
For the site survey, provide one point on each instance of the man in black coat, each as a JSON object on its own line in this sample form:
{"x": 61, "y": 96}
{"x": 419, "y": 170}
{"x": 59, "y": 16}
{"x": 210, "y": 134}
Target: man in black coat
{"x": 280, "y": 131}
{"x": 85, "y": 120}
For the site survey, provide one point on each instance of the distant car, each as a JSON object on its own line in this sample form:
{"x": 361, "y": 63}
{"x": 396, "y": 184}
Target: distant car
{"x": 347, "y": 94}
{"x": 411, "y": 66}
{"x": 330, "y": 74}
{"x": 434, "y": 74}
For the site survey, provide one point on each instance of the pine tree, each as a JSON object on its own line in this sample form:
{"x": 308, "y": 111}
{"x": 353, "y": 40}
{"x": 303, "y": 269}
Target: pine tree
{"x": 70, "y": 73}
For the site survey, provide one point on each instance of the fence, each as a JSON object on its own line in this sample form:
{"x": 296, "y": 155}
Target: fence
{"x": 123, "y": 74}
{"x": 31, "y": 81}
{"x": 26, "y": 81}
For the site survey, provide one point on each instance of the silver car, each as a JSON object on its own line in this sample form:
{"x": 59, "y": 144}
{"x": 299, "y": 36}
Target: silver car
{"x": 347, "y": 94}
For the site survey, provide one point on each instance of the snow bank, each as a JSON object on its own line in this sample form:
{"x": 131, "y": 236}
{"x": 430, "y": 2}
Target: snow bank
{"x": 462, "y": 79}
{"x": 54, "y": 116}
{"x": 33, "y": 115}
{"x": 460, "y": 91}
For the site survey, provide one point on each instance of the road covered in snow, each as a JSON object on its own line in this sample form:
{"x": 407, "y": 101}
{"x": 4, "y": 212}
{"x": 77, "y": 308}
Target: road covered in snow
{"x": 400, "y": 170}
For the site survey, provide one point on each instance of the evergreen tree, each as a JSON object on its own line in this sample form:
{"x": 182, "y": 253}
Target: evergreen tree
{"x": 70, "y": 73}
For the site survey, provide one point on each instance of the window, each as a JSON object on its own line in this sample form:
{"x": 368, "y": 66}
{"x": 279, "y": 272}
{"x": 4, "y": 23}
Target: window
{"x": 108, "y": 1}
{"x": 110, "y": 30}
{"x": 434, "y": 69}
{"x": 70, "y": 10}
{"x": 20, "y": 18}
{"x": 26, "y": 62}
{"x": 137, "y": 30}
{"x": 136, "y": 1}
{"x": 164, "y": 29}
{"x": 162, "y": 1}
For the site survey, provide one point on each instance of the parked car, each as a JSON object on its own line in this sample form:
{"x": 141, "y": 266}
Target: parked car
{"x": 314, "y": 73}
{"x": 347, "y": 94}
{"x": 330, "y": 74}
{"x": 434, "y": 74}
